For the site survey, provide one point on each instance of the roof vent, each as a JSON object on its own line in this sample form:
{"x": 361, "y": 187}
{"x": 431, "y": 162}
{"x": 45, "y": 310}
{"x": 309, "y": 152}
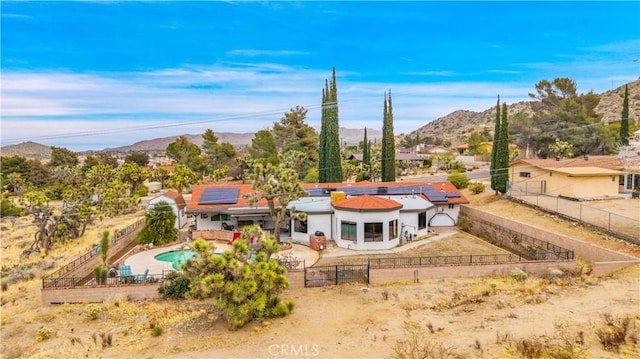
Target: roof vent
{"x": 586, "y": 157}
{"x": 557, "y": 158}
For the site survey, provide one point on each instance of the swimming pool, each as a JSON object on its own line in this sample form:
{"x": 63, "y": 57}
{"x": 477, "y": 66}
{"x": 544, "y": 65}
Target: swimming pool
{"x": 175, "y": 257}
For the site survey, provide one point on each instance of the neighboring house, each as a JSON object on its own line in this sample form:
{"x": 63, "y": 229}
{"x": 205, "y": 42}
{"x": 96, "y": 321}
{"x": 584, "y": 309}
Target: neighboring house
{"x": 408, "y": 157}
{"x": 433, "y": 149}
{"x": 361, "y": 215}
{"x": 177, "y": 203}
{"x": 587, "y": 177}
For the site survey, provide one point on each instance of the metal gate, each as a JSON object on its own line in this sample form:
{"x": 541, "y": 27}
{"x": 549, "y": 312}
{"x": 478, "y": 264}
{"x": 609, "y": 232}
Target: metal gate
{"x": 338, "y": 274}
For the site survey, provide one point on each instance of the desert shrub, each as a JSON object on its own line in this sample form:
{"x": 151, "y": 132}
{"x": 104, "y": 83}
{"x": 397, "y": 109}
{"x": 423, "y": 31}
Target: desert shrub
{"x": 43, "y": 334}
{"x": 460, "y": 180}
{"x": 416, "y": 345}
{"x": 93, "y": 311}
{"x": 613, "y": 333}
{"x": 156, "y": 331}
{"x": 518, "y": 274}
{"x": 178, "y": 286}
{"x": 561, "y": 345}
{"x": 100, "y": 274}
{"x": 142, "y": 190}
{"x": 477, "y": 187}
{"x": 8, "y": 208}
{"x": 465, "y": 224}
{"x": 311, "y": 177}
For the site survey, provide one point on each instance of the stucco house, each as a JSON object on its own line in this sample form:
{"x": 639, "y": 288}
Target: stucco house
{"x": 587, "y": 177}
{"x": 360, "y": 215}
{"x": 177, "y": 203}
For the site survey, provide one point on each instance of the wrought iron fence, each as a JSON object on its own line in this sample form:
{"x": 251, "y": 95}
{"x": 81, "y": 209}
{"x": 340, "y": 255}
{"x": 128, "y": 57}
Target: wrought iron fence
{"x": 519, "y": 241}
{"x": 443, "y": 260}
{"x": 336, "y": 274}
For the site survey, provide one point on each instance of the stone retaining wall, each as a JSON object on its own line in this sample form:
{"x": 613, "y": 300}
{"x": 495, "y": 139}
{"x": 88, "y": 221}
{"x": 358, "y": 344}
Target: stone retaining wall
{"x": 99, "y": 293}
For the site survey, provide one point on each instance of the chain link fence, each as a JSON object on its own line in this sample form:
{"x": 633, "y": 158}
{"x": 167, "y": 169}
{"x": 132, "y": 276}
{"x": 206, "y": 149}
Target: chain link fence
{"x": 624, "y": 227}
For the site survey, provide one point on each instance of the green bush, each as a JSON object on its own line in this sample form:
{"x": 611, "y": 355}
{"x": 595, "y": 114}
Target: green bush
{"x": 156, "y": 331}
{"x": 178, "y": 286}
{"x": 311, "y": 177}
{"x": 142, "y": 190}
{"x": 519, "y": 275}
{"x": 43, "y": 334}
{"x": 93, "y": 311}
{"x": 477, "y": 187}
{"x": 9, "y": 209}
{"x": 460, "y": 180}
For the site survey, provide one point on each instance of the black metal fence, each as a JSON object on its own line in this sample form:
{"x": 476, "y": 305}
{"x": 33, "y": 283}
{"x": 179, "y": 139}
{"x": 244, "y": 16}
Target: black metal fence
{"x": 530, "y": 247}
{"x": 117, "y": 235}
{"x": 337, "y": 274}
{"x": 296, "y": 264}
{"x": 443, "y": 260}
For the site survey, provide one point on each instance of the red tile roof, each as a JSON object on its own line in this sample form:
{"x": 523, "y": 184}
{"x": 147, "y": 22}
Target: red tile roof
{"x": 176, "y": 197}
{"x": 246, "y": 188}
{"x": 367, "y": 203}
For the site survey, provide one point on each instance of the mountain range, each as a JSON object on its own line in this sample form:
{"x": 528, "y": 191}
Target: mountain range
{"x": 454, "y": 127}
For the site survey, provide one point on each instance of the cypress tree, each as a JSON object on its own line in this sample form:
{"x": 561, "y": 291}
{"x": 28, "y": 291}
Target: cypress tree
{"x": 366, "y": 149}
{"x": 624, "y": 122}
{"x": 388, "y": 161}
{"x": 330, "y": 162}
{"x": 502, "y": 154}
{"x": 322, "y": 146}
{"x": 494, "y": 148}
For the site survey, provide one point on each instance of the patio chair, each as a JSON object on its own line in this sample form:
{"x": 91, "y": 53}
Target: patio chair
{"x": 141, "y": 277}
{"x": 125, "y": 272}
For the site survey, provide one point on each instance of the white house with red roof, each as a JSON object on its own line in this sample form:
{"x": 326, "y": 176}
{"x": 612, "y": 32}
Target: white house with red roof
{"x": 360, "y": 215}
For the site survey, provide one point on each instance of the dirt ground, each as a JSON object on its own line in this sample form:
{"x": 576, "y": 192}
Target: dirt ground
{"x": 466, "y": 317}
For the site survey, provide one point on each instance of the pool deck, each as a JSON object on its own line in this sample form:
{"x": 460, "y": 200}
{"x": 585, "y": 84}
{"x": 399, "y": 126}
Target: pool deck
{"x": 145, "y": 259}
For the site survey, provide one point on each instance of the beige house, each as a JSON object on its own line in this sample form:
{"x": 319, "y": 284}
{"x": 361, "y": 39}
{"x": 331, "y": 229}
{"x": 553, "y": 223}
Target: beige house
{"x": 587, "y": 177}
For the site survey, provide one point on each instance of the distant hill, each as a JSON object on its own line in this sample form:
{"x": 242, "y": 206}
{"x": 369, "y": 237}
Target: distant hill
{"x": 348, "y": 135}
{"x": 457, "y": 125}
{"x": 29, "y": 149}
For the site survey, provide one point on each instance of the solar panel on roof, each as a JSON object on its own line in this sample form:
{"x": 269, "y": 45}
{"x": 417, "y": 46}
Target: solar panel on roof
{"x": 219, "y": 196}
{"x": 316, "y": 192}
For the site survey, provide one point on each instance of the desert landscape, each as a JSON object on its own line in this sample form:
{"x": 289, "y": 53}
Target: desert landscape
{"x": 572, "y": 315}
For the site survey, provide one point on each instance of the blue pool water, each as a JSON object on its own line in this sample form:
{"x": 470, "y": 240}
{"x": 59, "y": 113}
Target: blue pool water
{"x": 175, "y": 257}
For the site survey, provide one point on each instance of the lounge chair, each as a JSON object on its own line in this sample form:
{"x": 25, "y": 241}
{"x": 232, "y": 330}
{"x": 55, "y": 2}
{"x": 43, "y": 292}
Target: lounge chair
{"x": 141, "y": 277}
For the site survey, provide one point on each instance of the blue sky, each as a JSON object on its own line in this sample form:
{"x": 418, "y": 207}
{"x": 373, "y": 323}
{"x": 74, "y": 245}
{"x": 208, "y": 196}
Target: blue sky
{"x": 92, "y": 75}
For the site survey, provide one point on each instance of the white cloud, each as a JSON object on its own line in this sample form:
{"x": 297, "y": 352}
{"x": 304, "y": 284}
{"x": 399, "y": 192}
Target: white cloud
{"x": 116, "y": 109}
{"x": 271, "y": 53}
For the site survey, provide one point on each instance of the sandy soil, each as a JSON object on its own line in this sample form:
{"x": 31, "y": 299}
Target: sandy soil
{"x": 470, "y": 317}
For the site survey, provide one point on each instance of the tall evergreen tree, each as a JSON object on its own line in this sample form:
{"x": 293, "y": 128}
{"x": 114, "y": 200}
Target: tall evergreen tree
{"x": 388, "y": 160}
{"x": 322, "y": 145}
{"x": 330, "y": 161}
{"x": 366, "y": 149}
{"x": 624, "y": 122}
{"x": 494, "y": 148}
{"x": 502, "y": 153}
